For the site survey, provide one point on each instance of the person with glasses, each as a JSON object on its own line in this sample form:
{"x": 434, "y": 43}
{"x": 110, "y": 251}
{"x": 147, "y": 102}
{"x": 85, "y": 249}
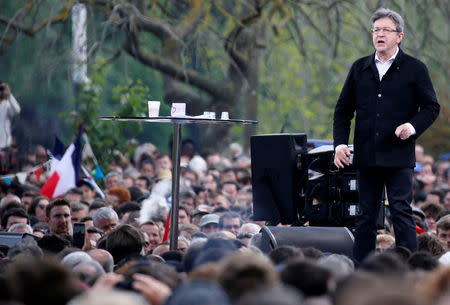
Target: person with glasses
{"x": 395, "y": 102}
{"x": 36, "y": 210}
{"x": 231, "y": 222}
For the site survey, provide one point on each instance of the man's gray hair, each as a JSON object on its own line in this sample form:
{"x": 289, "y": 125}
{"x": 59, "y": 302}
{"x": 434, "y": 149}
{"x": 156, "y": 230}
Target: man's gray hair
{"x": 104, "y": 213}
{"x": 88, "y": 271}
{"x": 185, "y": 240}
{"x": 395, "y": 17}
{"x": 108, "y": 297}
{"x": 9, "y": 196}
{"x": 112, "y": 174}
{"x": 249, "y": 226}
{"x": 21, "y": 226}
{"x": 339, "y": 265}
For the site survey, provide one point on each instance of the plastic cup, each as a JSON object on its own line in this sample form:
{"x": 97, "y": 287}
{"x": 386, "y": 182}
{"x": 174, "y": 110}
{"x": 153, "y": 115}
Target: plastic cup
{"x": 209, "y": 114}
{"x": 153, "y": 108}
{"x": 178, "y": 109}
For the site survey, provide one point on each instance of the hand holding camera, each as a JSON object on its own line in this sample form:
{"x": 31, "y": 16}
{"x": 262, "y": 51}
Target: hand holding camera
{"x": 5, "y": 91}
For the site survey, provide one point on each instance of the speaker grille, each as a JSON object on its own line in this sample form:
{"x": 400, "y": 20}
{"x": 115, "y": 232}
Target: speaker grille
{"x": 327, "y": 239}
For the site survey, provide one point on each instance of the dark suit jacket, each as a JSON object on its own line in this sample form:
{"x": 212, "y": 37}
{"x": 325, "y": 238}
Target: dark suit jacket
{"x": 405, "y": 94}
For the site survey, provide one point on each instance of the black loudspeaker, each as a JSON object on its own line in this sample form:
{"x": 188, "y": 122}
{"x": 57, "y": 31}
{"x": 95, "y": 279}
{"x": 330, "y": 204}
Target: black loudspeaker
{"x": 10, "y": 239}
{"x": 337, "y": 240}
{"x": 276, "y": 179}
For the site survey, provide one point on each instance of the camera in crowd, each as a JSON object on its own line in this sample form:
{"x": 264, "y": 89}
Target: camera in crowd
{"x": 4, "y": 91}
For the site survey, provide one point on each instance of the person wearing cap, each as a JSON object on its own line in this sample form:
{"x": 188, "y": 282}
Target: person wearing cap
{"x": 209, "y": 223}
{"x": 198, "y": 213}
{"x": 88, "y": 189}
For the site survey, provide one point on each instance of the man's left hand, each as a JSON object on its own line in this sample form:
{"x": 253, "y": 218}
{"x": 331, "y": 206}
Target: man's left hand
{"x": 403, "y": 132}
{"x": 154, "y": 291}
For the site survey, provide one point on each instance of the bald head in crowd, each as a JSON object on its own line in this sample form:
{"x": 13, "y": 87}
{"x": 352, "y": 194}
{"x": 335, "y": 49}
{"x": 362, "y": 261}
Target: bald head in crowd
{"x": 104, "y": 258}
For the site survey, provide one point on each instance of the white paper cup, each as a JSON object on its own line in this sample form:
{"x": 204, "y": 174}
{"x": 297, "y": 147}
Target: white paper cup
{"x": 178, "y": 109}
{"x": 224, "y": 115}
{"x": 153, "y": 108}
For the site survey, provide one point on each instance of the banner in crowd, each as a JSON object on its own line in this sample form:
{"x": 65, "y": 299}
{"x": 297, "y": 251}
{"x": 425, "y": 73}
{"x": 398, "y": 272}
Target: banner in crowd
{"x": 64, "y": 171}
{"x": 22, "y": 176}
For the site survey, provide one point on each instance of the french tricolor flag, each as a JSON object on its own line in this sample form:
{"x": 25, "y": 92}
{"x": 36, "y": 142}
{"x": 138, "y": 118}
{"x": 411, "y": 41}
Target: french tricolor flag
{"x": 65, "y": 172}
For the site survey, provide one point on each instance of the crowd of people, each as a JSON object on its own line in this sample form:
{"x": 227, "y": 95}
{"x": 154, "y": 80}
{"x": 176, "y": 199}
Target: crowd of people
{"x": 125, "y": 259}
{"x": 108, "y": 244}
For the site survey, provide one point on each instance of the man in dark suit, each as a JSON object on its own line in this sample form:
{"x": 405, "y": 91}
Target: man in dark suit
{"x": 394, "y": 100}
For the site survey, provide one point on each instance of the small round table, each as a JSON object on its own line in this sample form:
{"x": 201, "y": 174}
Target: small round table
{"x": 176, "y": 154}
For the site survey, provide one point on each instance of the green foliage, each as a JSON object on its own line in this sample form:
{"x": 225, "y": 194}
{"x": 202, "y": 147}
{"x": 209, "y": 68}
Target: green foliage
{"x": 298, "y": 93}
{"x": 304, "y": 51}
{"x": 105, "y": 136}
{"x": 300, "y": 82}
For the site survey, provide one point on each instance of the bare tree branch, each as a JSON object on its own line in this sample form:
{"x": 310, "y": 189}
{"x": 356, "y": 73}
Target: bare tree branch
{"x": 177, "y": 72}
{"x": 313, "y": 25}
{"x": 230, "y": 40}
{"x": 182, "y": 94}
{"x": 191, "y": 21}
{"x": 337, "y": 32}
{"x": 61, "y": 16}
{"x": 154, "y": 25}
{"x": 444, "y": 8}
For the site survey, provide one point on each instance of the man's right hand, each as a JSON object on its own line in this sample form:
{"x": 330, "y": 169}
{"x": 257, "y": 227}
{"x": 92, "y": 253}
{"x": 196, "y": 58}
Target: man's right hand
{"x": 5, "y": 92}
{"x": 341, "y": 156}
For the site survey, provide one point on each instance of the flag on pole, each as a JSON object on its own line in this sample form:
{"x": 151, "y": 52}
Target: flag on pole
{"x": 88, "y": 152}
{"x": 97, "y": 173}
{"x": 91, "y": 182}
{"x": 87, "y": 149}
{"x": 56, "y": 154}
{"x": 38, "y": 173}
{"x": 166, "y": 229}
{"x": 66, "y": 172}
{"x": 58, "y": 149}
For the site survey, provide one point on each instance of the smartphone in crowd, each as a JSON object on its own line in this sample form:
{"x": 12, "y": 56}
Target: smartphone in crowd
{"x": 79, "y": 232}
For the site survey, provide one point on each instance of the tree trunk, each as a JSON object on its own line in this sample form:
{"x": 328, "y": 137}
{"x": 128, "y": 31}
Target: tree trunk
{"x": 251, "y": 97}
